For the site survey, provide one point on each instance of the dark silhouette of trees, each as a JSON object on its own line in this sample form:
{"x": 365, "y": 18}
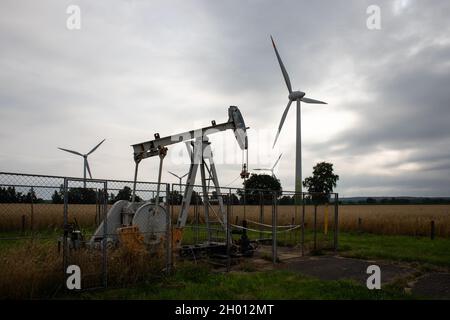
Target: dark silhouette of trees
{"x": 10, "y": 195}
{"x": 321, "y": 183}
{"x": 126, "y": 193}
{"x": 260, "y": 185}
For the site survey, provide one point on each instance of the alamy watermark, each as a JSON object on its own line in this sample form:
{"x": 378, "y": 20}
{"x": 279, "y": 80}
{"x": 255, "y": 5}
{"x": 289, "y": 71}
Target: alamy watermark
{"x": 73, "y": 281}
{"x": 373, "y": 21}
{"x": 73, "y": 21}
{"x": 374, "y": 280}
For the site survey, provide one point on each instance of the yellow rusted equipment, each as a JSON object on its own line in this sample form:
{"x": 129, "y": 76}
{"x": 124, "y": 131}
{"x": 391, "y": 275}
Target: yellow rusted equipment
{"x": 131, "y": 238}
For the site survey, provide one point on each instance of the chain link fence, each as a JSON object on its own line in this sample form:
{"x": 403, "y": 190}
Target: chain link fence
{"x": 275, "y": 225}
{"x": 48, "y": 223}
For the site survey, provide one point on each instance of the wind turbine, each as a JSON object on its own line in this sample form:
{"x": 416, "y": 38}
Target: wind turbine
{"x": 180, "y": 178}
{"x": 297, "y": 96}
{"x": 86, "y": 163}
{"x": 270, "y": 169}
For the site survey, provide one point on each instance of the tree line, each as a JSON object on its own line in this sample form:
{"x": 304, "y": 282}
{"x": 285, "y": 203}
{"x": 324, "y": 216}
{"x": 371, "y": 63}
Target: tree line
{"x": 10, "y": 195}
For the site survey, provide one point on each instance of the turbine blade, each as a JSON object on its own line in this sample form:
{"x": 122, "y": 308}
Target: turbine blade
{"x": 282, "y": 122}
{"x": 88, "y": 169}
{"x": 283, "y": 69}
{"x": 276, "y": 162}
{"x": 184, "y": 175}
{"x": 95, "y": 148}
{"x": 308, "y": 100}
{"x": 71, "y": 151}
{"x": 173, "y": 174}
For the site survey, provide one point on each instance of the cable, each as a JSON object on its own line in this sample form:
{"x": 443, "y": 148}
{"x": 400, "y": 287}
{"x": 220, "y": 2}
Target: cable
{"x": 231, "y": 182}
{"x": 270, "y": 226}
{"x": 268, "y": 232}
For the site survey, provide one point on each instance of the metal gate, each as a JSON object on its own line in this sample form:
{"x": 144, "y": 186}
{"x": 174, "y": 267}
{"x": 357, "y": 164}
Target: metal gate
{"x": 80, "y": 196}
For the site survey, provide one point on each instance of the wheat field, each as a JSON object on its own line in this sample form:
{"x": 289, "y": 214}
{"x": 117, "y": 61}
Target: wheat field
{"x": 379, "y": 219}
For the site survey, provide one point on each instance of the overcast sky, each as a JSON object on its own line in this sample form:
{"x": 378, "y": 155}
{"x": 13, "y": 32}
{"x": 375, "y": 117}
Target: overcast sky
{"x": 140, "y": 67}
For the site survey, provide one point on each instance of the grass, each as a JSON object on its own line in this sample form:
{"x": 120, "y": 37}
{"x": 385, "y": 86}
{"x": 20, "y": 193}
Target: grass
{"x": 397, "y": 248}
{"x": 197, "y": 282}
{"x": 31, "y": 268}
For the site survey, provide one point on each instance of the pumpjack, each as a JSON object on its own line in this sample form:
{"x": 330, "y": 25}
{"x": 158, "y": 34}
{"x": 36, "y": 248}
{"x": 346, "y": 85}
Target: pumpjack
{"x": 152, "y": 219}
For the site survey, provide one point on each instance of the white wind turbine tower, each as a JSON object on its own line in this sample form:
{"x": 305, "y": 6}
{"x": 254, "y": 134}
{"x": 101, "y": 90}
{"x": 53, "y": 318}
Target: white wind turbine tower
{"x": 297, "y": 96}
{"x": 85, "y": 163}
{"x": 270, "y": 169}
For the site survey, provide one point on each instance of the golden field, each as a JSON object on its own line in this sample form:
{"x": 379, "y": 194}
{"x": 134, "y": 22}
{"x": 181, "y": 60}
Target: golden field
{"x": 380, "y": 219}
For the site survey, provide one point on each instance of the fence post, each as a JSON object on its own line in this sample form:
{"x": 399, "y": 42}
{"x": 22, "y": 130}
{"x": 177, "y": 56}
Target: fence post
{"x": 228, "y": 232}
{"x": 315, "y": 227}
{"x": 336, "y": 221}
{"x": 303, "y": 223}
{"x": 290, "y": 233}
{"x": 32, "y": 210}
{"x": 274, "y": 229}
{"x": 23, "y": 223}
{"x": 105, "y": 234}
{"x": 261, "y": 214}
{"x": 169, "y": 229}
{"x": 359, "y": 224}
{"x": 65, "y": 219}
{"x": 433, "y": 230}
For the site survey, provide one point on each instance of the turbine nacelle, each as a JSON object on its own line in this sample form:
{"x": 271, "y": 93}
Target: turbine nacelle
{"x": 296, "y": 95}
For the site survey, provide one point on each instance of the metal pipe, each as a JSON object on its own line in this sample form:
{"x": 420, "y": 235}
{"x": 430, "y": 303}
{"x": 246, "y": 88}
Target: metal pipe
{"x": 65, "y": 224}
{"x": 228, "y": 234}
{"x": 135, "y": 181}
{"x": 336, "y": 221}
{"x": 105, "y": 234}
{"x": 169, "y": 231}
{"x": 303, "y": 224}
{"x": 274, "y": 230}
{"x": 84, "y": 173}
{"x": 158, "y": 186}
{"x": 152, "y": 145}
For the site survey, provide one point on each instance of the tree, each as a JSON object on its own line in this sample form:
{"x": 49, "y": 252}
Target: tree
{"x": 10, "y": 195}
{"x": 126, "y": 193}
{"x": 322, "y": 182}
{"x": 82, "y": 196}
{"x": 230, "y": 200}
{"x": 257, "y": 185}
{"x": 287, "y": 200}
{"x": 175, "y": 197}
{"x": 57, "y": 198}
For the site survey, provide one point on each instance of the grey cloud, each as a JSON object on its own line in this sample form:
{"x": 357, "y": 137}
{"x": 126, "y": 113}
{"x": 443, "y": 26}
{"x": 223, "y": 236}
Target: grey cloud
{"x": 140, "y": 67}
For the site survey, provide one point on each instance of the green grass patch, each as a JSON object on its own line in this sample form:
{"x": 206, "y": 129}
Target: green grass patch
{"x": 197, "y": 282}
{"x": 397, "y": 248}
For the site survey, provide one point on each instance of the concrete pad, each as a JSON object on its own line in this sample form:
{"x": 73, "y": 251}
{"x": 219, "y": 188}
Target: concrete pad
{"x": 337, "y": 268}
{"x": 433, "y": 285}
